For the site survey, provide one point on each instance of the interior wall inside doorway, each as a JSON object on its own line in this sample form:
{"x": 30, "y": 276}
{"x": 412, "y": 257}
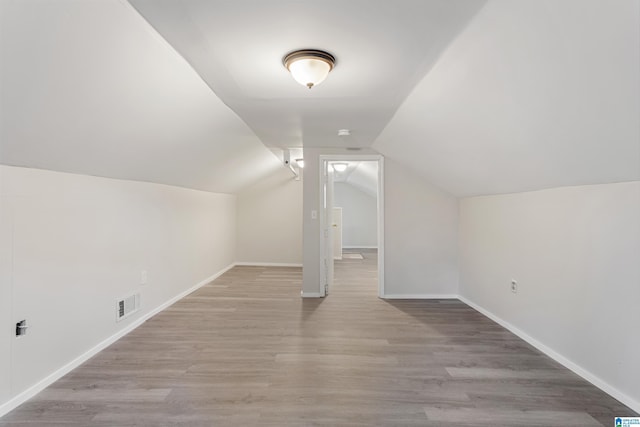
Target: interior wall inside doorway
{"x": 359, "y": 216}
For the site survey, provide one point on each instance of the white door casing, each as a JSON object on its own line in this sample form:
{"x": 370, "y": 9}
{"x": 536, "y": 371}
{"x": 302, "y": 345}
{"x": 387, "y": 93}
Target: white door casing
{"x": 336, "y": 224}
{"x": 326, "y": 202}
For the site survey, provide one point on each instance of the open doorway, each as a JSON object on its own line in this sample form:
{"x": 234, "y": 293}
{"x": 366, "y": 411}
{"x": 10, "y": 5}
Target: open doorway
{"x": 351, "y": 214}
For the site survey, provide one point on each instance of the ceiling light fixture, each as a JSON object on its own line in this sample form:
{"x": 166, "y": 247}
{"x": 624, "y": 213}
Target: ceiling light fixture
{"x": 340, "y": 167}
{"x": 309, "y": 67}
{"x": 300, "y": 163}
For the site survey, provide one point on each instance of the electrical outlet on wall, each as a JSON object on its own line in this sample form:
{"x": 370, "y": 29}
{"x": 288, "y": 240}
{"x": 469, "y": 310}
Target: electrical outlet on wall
{"x": 514, "y": 286}
{"x": 143, "y": 277}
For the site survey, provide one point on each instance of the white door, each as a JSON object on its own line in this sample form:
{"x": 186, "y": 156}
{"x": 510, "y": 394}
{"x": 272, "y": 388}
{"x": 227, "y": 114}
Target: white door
{"x": 336, "y": 224}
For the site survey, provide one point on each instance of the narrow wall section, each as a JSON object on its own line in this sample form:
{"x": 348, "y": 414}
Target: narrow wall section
{"x": 6, "y": 248}
{"x": 270, "y": 220}
{"x": 421, "y": 231}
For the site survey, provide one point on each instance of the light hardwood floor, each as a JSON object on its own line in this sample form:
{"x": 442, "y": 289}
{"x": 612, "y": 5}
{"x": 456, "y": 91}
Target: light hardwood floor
{"x": 247, "y": 350}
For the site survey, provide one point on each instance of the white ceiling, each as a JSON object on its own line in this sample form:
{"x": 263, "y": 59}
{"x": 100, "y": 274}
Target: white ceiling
{"x": 533, "y": 94}
{"x": 478, "y": 98}
{"x": 382, "y": 49}
{"x": 362, "y": 175}
{"x": 90, "y": 87}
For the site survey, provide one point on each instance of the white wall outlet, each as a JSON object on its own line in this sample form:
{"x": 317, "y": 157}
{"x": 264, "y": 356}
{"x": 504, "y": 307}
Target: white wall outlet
{"x": 143, "y": 277}
{"x": 314, "y": 214}
{"x": 514, "y": 286}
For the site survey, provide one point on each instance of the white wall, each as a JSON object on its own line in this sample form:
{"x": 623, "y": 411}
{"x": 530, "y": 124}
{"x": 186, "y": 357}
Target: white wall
{"x": 359, "y": 216}
{"x": 270, "y": 220}
{"x": 421, "y": 231}
{"x": 75, "y": 244}
{"x": 421, "y": 224}
{"x": 575, "y": 253}
{"x": 5, "y": 296}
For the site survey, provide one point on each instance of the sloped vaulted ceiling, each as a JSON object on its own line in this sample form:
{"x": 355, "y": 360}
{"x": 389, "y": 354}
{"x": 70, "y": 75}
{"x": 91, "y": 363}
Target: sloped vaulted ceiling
{"x": 478, "y": 97}
{"x": 89, "y": 87}
{"x": 532, "y": 95}
{"x": 383, "y": 48}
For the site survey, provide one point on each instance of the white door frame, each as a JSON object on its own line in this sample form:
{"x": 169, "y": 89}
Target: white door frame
{"x": 336, "y": 227}
{"x": 323, "y": 165}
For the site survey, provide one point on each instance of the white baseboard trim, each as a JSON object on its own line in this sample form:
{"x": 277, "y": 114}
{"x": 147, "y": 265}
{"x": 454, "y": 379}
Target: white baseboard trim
{"x": 267, "y": 264}
{"x": 59, "y": 373}
{"x": 419, "y": 296}
{"x": 311, "y": 294}
{"x": 593, "y": 379}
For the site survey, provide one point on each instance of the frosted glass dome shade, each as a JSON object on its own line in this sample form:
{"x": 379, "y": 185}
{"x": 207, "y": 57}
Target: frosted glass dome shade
{"x": 309, "y": 67}
{"x": 340, "y": 167}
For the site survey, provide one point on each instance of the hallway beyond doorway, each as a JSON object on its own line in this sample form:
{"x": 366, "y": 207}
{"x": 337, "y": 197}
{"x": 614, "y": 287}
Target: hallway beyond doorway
{"x": 357, "y": 275}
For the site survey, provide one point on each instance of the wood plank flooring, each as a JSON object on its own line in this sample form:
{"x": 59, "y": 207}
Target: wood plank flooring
{"x": 247, "y": 350}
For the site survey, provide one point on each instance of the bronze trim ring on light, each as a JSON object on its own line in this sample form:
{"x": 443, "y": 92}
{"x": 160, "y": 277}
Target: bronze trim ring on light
{"x": 309, "y": 74}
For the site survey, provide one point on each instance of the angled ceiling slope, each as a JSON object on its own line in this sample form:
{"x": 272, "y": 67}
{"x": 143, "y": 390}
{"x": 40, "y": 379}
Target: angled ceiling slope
{"x": 532, "y": 95}
{"x": 361, "y": 175}
{"x": 90, "y": 88}
{"x": 383, "y": 48}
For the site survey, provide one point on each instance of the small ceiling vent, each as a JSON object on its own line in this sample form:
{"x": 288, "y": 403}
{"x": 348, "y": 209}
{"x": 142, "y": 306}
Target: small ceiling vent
{"x": 127, "y": 306}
